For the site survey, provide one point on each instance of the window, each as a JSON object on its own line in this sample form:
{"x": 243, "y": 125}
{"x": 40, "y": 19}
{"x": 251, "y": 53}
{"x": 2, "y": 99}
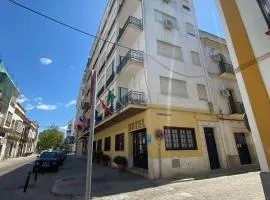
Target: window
{"x": 99, "y": 145}
{"x": 180, "y": 138}
{"x": 190, "y": 29}
{"x": 202, "y": 92}
{"x": 265, "y": 8}
{"x": 162, "y": 17}
{"x": 110, "y": 70}
{"x": 173, "y": 87}
{"x": 122, "y": 92}
{"x": 119, "y": 142}
{"x": 195, "y": 58}
{"x": 107, "y": 144}
{"x": 186, "y": 5}
{"x": 9, "y": 119}
{"x": 169, "y": 50}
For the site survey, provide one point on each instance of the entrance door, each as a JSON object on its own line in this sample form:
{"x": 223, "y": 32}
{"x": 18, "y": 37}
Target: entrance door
{"x": 211, "y": 148}
{"x": 242, "y": 147}
{"x": 140, "y": 155}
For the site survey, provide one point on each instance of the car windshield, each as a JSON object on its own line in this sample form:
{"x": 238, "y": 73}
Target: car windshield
{"x": 48, "y": 155}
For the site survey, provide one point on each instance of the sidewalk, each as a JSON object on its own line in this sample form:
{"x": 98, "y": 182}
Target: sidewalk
{"x": 14, "y": 163}
{"x": 108, "y": 182}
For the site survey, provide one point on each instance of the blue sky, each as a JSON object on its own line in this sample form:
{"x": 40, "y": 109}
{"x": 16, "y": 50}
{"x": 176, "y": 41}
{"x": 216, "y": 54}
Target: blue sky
{"x": 47, "y": 60}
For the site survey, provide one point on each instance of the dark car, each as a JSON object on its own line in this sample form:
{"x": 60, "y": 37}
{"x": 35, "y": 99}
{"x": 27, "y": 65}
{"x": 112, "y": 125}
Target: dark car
{"x": 61, "y": 156}
{"x": 47, "y": 161}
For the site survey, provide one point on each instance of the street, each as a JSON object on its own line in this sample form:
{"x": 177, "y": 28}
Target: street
{"x": 110, "y": 184}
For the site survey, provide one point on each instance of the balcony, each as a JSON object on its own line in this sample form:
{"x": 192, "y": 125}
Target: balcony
{"x": 130, "y": 64}
{"x": 130, "y": 31}
{"x": 237, "y": 108}
{"x": 129, "y": 105}
{"x": 126, "y": 8}
{"x": 226, "y": 70}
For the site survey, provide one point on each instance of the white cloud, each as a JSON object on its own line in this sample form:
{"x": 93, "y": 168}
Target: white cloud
{"x": 46, "y": 107}
{"x": 29, "y": 107}
{"x": 45, "y": 61}
{"x": 71, "y": 103}
{"x": 22, "y": 99}
{"x": 38, "y": 99}
{"x": 64, "y": 128}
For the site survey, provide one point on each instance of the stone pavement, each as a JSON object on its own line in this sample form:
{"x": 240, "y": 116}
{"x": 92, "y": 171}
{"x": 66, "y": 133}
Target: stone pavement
{"x": 109, "y": 184}
{"x": 14, "y": 163}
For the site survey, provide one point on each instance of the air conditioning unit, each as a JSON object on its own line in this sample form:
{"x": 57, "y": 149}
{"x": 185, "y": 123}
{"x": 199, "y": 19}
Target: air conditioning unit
{"x": 168, "y": 24}
{"x": 225, "y": 93}
{"x": 166, "y": 1}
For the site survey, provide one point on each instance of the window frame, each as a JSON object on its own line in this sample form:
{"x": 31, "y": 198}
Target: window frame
{"x": 264, "y": 12}
{"x": 197, "y": 64}
{"x": 106, "y": 142}
{"x": 169, "y": 92}
{"x": 202, "y": 99}
{"x": 118, "y": 146}
{"x": 180, "y": 131}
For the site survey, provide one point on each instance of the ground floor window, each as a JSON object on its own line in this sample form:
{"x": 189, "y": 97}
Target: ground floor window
{"x": 177, "y": 138}
{"x": 119, "y": 142}
{"x": 99, "y": 145}
{"x": 107, "y": 144}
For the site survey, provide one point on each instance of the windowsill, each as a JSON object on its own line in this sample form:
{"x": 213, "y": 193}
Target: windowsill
{"x": 119, "y": 150}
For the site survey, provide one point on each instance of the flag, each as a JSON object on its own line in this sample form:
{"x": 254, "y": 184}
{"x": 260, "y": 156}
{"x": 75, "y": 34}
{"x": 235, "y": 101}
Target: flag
{"x": 105, "y": 108}
{"x": 110, "y": 97}
{"x": 78, "y": 127}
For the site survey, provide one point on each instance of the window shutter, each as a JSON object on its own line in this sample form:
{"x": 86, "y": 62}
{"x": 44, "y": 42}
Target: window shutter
{"x": 190, "y": 29}
{"x": 169, "y": 50}
{"x": 173, "y": 86}
{"x": 202, "y": 92}
{"x": 196, "y": 58}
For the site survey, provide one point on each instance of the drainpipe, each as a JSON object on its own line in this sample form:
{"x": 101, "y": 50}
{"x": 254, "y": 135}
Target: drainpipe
{"x": 159, "y": 158}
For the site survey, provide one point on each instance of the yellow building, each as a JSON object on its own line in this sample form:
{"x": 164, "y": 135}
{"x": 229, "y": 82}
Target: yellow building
{"x": 247, "y": 25}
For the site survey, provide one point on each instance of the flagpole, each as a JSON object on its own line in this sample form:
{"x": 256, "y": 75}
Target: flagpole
{"x": 93, "y": 80}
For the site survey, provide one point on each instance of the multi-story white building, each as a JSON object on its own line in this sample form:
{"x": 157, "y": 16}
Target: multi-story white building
{"x": 162, "y": 116}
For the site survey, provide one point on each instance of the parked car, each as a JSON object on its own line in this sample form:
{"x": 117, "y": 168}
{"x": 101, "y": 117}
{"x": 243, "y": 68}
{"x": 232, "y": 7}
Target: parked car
{"x": 61, "y": 156}
{"x": 47, "y": 161}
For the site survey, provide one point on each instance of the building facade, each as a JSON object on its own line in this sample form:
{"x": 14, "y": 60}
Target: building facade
{"x": 155, "y": 96}
{"x": 246, "y": 25}
{"x": 15, "y": 138}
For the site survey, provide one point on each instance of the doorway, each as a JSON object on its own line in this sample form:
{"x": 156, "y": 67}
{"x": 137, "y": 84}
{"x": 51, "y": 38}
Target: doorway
{"x": 242, "y": 147}
{"x": 211, "y": 148}
{"x": 140, "y": 154}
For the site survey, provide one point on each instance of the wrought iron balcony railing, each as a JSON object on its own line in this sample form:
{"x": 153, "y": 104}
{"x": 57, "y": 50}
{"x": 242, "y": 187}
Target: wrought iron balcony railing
{"x": 131, "y": 20}
{"x": 131, "y": 55}
{"x": 225, "y": 68}
{"x": 265, "y": 8}
{"x": 237, "y": 108}
{"x": 132, "y": 97}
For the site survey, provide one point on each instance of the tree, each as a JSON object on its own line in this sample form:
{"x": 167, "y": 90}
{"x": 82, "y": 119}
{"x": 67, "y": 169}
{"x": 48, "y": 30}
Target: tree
{"x": 50, "y": 138}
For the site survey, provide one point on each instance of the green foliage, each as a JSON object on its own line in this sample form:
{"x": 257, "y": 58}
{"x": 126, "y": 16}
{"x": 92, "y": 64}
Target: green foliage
{"x": 120, "y": 160}
{"x": 50, "y": 138}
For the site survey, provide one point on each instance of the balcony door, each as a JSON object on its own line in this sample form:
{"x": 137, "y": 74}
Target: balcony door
{"x": 232, "y": 101}
{"x": 140, "y": 153}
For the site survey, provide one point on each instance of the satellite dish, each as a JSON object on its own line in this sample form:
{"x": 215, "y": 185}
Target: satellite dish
{"x": 246, "y": 122}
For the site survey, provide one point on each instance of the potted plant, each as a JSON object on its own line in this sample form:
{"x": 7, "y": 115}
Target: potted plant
{"x": 98, "y": 156}
{"x": 105, "y": 160}
{"x": 121, "y": 162}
